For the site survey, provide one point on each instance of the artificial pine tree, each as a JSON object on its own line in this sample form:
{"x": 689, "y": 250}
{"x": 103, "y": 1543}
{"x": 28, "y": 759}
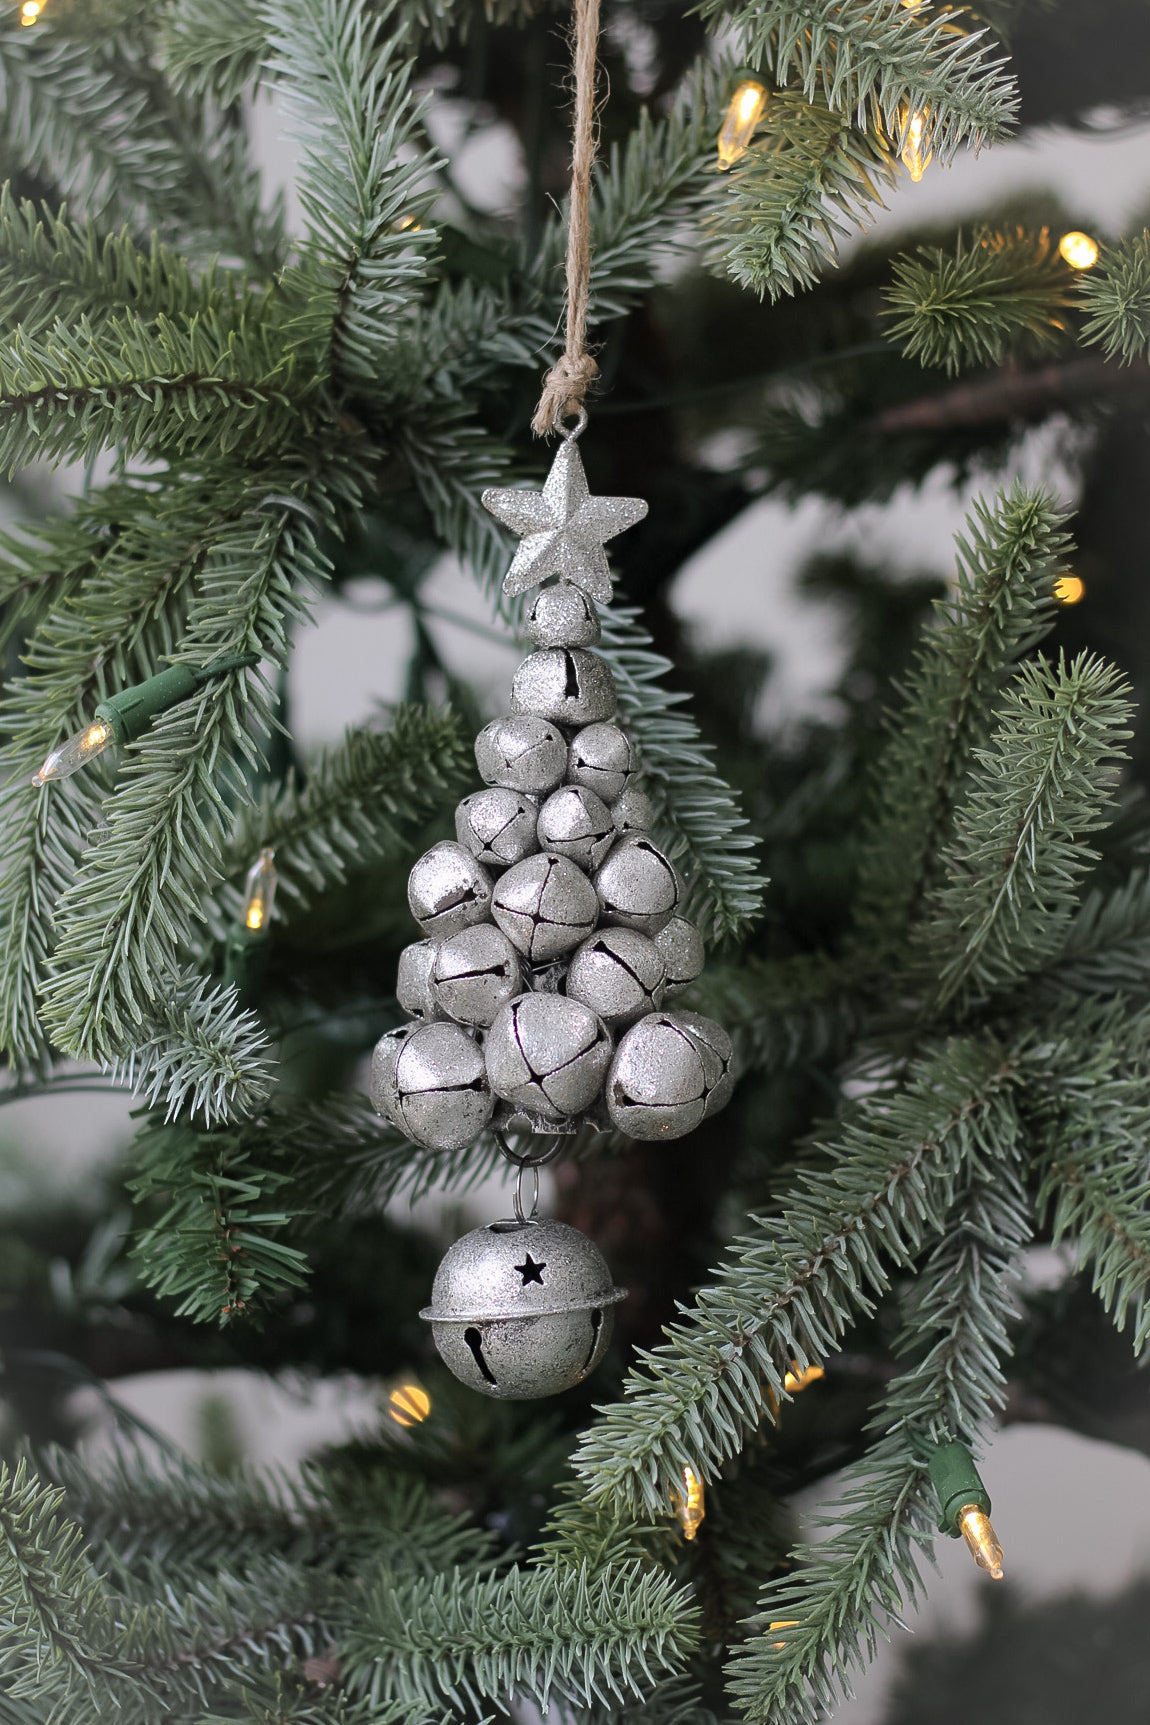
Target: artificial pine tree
{"x": 940, "y": 1002}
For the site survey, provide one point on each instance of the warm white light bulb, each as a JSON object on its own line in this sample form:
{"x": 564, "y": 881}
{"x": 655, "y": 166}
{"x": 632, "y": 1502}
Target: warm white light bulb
{"x": 743, "y": 115}
{"x": 1078, "y": 250}
{"x": 917, "y": 148}
{"x": 260, "y": 891}
{"x": 76, "y": 752}
{"x": 981, "y": 1540}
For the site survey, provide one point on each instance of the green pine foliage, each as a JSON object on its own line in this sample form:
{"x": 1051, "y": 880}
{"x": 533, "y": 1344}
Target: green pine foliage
{"x": 997, "y": 293}
{"x": 952, "y": 1054}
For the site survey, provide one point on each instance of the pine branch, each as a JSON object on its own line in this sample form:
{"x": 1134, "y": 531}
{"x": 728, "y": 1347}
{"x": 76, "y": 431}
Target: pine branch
{"x": 452, "y": 461}
{"x": 196, "y": 1052}
{"x": 1095, "y": 1187}
{"x": 788, "y": 1289}
{"x": 809, "y": 176}
{"x": 880, "y": 58}
{"x": 781, "y": 1012}
{"x": 362, "y": 801}
{"x": 697, "y": 818}
{"x": 1116, "y": 296}
{"x": 846, "y": 1589}
{"x": 48, "y": 1589}
{"x": 552, "y": 1633}
{"x": 1010, "y": 395}
{"x": 344, "y": 1159}
{"x": 1016, "y": 857}
{"x": 1107, "y": 946}
{"x": 366, "y": 183}
{"x": 998, "y": 290}
{"x": 1003, "y": 603}
{"x": 51, "y": 270}
{"x": 169, "y": 387}
{"x": 213, "y": 48}
{"x": 131, "y": 914}
{"x": 65, "y": 114}
{"x": 173, "y": 1513}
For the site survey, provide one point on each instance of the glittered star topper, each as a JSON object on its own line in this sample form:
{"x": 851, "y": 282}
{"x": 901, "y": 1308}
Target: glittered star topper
{"x": 563, "y": 528}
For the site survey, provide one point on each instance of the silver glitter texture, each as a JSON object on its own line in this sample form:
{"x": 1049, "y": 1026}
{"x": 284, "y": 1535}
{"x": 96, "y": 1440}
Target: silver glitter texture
{"x": 545, "y": 905}
{"x": 522, "y": 752}
{"x": 618, "y": 974}
{"x": 632, "y": 811}
{"x": 638, "y": 886}
{"x": 567, "y": 685}
{"x": 562, "y": 616}
{"x": 474, "y": 973}
{"x": 716, "y": 1053}
{"x": 522, "y": 1309}
{"x": 448, "y": 890}
{"x": 547, "y": 1055}
{"x": 563, "y": 528}
{"x": 658, "y": 1083}
{"x": 413, "y": 979}
{"x": 601, "y": 758}
{"x": 575, "y": 823}
{"x": 431, "y": 1083}
{"x": 497, "y": 826}
{"x": 683, "y": 953}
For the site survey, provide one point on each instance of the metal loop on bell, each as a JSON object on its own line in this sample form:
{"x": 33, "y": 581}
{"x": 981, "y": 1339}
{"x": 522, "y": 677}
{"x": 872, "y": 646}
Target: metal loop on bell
{"x": 580, "y": 428}
{"x": 540, "y": 1161}
{"x": 531, "y": 1168}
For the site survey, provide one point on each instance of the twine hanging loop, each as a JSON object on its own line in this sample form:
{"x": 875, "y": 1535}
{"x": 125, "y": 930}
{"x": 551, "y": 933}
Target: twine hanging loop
{"x": 566, "y": 384}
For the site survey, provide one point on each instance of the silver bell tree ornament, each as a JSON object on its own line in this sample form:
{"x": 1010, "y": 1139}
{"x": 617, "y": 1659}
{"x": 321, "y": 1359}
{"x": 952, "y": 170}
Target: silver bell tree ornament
{"x": 553, "y": 937}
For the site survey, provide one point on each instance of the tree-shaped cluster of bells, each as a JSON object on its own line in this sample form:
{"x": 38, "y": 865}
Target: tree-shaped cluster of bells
{"x": 552, "y": 946}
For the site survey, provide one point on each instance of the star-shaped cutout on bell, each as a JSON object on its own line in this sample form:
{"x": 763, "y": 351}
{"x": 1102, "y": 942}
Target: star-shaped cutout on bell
{"x": 563, "y": 528}
{"x": 531, "y": 1271}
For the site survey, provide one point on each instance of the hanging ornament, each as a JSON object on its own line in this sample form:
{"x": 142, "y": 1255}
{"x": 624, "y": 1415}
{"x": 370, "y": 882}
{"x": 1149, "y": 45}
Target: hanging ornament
{"x": 553, "y": 933}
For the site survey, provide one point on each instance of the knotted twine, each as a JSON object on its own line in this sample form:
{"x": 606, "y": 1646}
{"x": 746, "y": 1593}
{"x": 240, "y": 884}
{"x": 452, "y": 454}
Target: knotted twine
{"x": 567, "y": 382}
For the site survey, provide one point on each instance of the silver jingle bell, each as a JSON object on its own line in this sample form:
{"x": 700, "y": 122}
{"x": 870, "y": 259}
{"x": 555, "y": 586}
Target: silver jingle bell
{"x": 638, "y": 886}
{"x": 430, "y": 1083}
{"x": 522, "y": 1309}
{"x": 522, "y": 752}
{"x": 497, "y": 826}
{"x": 474, "y": 973}
{"x": 657, "y": 1086}
{"x": 547, "y": 1055}
{"x": 717, "y": 1054}
{"x": 618, "y": 973}
{"x": 562, "y": 616}
{"x": 601, "y": 757}
{"x": 448, "y": 890}
{"x": 566, "y": 685}
{"x": 574, "y": 822}
{"x": 683, "y": 953}
{"x": 632, "y": 811}
{"x": 413, "y": 979}
{"x": 545, "y": 905}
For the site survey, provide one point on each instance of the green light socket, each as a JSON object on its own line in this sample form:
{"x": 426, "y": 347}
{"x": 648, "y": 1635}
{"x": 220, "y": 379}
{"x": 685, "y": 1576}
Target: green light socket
{"x": 956, "y": 1480}
{"x": 131, "y": 711}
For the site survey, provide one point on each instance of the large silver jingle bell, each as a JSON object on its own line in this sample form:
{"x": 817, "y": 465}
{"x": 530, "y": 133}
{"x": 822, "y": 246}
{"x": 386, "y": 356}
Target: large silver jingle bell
{"x": 683, "y": 952}
{"x": 448, "y": 890}
{"x": 601, "y": 758}
{"x": 522, "y": 1309}
{"x": 522, "y": 752}
{"x": 618, "y": 973}
{"x": 473, "y": 974}
{"x": 430, "y": 1082}
{"x": 566, "y": 685}
{"x": 562, "y": 616}
{"x": 545, "y": 905}
{"x": 575, "y": 823}
{"x": 638, "y": 887}
{"x": 547, "y": 1055}
{"x": 497, "y": 825}
{"x": 665, "y": 1071}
